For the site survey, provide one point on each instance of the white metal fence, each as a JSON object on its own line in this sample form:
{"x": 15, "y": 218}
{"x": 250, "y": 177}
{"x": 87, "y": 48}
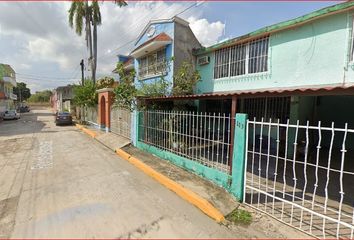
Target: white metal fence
{"x": 200, "y": 137}
{"x": 90, "y": 114}
{"x": 302, "y": 175}
{"x": 121, "y": 122}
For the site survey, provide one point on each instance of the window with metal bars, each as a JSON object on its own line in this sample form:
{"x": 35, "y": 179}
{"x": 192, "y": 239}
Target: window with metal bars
{"x": 152, "y": 64}
{"x": 241, "y": 59}
{"x": 267, "y": 108}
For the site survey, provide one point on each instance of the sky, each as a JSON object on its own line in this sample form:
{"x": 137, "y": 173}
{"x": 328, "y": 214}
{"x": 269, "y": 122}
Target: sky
{"x": 36, "y": 40}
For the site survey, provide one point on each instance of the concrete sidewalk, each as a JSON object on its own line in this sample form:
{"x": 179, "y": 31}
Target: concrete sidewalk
{"x": 262, "y": 225}
{"x": 214, "y": 194}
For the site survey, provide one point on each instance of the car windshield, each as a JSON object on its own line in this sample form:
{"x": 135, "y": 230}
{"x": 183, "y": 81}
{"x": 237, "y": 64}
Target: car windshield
{"x": 11, "y": 111}
{"x": 63, "y": 114}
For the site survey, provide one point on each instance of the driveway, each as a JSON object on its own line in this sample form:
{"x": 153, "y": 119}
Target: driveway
{"x": 58, "y": 182}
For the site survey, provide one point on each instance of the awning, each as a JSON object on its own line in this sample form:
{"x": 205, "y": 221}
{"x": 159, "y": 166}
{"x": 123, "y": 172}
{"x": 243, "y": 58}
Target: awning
{"x": 151, "y": 45}
{"x": 274, "y": 92}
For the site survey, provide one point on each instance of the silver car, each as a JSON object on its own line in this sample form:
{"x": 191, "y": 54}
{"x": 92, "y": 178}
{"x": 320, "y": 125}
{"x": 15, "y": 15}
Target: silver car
{"x": 11, "y": 114}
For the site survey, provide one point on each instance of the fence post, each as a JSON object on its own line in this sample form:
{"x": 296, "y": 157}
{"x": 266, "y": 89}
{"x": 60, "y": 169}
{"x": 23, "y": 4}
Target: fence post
{"x": 239, "y": 156}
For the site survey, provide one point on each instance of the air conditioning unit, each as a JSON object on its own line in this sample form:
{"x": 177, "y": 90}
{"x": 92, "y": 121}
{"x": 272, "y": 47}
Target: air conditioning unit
{"x": 203, "y": 60}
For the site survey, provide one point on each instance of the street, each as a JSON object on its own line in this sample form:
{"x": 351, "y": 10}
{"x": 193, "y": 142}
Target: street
{"x": 55, "y": 181}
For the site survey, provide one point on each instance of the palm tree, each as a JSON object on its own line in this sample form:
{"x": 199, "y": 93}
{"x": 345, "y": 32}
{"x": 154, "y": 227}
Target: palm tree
{"x": 80, "y": 13}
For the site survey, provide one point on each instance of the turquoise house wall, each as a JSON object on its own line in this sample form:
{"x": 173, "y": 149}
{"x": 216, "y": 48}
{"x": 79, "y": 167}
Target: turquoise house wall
{"x": 315, "y": 53}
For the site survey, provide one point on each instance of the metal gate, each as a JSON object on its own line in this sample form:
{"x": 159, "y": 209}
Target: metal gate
{"x": 302, "y": 175}
{"x": 121, "y": 122}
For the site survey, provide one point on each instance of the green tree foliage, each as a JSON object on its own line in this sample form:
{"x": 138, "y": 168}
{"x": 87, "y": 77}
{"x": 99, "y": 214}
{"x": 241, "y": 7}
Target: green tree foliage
{"x": 22, "y": 92}
{"x": 85, "y": 95}
{"x": 105, "y": 82}
{"x": 40, "y": 97}
{"x": 125, "y": 92}
{"x": 158, "y": 88}
{"x": 185, "y": 80}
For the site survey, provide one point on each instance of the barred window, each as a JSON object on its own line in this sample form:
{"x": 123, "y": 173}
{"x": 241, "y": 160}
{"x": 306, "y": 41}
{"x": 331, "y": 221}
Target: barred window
{"x": 221, "y": 68}
{"x": 238, "y": 60}
{"x": 241, "y": 59}
{"x": 258, "y": 56}
{"x": 152, "y": 64}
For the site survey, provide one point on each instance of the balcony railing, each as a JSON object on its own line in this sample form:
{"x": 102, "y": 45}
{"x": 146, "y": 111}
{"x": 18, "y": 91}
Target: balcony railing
{"x": 10, "y": 80}
{"x": 153, "y": 70}
{"x": 13, "y": 96}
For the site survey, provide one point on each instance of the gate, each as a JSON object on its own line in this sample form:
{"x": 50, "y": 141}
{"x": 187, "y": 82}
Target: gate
{"x": 121, "y": 122}
{"x": 302, "y": 175}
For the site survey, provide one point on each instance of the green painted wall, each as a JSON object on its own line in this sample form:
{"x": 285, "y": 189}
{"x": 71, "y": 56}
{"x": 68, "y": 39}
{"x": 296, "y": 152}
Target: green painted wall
{"x": 315, "y": 53}
{"x": 216, "y": 176}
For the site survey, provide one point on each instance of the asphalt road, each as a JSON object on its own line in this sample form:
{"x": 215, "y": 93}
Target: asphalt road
{"x": 58, "y": 182}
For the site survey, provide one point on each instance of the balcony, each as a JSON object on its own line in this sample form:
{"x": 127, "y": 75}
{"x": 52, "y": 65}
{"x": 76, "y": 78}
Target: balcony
{"x": 13, "y": 96}
{"x": 10, "y": 80}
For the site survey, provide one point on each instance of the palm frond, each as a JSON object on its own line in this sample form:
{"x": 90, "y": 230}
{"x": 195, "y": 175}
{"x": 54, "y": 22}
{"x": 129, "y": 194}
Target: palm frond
{"x": 121, "y": 3}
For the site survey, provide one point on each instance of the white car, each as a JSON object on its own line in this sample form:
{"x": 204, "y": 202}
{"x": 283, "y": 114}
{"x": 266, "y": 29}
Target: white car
{"x": 11, "y": 114}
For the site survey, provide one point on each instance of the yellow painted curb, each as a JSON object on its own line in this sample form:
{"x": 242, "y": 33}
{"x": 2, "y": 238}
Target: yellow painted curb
{"x": 87, "y": 131}
{"x": 181, "y": 191}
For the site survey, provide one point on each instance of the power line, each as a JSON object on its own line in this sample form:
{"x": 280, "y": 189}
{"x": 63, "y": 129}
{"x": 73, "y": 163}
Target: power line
{"x": 125, "y": 44}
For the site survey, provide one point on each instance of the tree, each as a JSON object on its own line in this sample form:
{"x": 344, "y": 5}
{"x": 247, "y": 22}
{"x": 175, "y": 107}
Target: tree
{"x": 40, "y": 97}
{"x": 22, "y": 92}
{"x": 85, "y": 95}
{"x": 185, "y": 80}
{"x": 80, "y": 13}
{"x": 125, "y": 92}
{"x": 105, "y": 82}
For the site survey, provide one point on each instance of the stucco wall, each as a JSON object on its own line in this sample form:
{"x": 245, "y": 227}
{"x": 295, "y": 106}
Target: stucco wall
{"x": 185, "y": 42}
{"x": 315, "y": 53}
{"x": 167, "y": 28}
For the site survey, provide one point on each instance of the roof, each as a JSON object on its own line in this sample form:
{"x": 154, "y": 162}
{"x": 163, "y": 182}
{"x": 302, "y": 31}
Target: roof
{"x": 160, "y": 37}
{"x": 174, "y": 19}
{"x": 338, "y": 8}
{"x": 335, "y": 89}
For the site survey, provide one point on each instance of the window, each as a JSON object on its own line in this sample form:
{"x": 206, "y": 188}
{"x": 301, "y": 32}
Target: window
{"x": 241, "y": 59}
{"x": 238, "y": 60}
{"x": 258, "y": 56}
{"x": 152, "y": 64}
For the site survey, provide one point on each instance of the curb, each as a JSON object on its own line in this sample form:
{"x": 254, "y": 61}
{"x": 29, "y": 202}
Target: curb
{"x": 181, "y": 191}
{"x": 87, "y": 131}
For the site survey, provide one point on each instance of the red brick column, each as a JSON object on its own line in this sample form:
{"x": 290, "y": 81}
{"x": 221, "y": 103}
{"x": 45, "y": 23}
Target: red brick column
{"x": 105, "y": 101}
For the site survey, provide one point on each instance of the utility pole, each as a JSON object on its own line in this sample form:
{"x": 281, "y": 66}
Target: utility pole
{"x": 82, "y": 71}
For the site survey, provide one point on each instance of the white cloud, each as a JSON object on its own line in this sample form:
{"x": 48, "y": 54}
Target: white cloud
{"x": 207, "y": 33}
{"x": 35, "y": 37}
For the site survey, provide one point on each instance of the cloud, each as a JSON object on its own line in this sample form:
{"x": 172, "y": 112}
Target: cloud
{"x": 207, "y": 33}
{"x": 35, "y": 37}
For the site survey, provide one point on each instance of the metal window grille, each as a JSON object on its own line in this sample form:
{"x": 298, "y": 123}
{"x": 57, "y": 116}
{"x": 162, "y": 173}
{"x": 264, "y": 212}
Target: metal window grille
{"x": 200, "y": 137}
{"x": 238, "y": 60}
{"x": 304, "y": 179}
{"x": 251, "y": 57}
{"x": 268, "y": 107}
{"x": 258, "y": 55}
{"x": 153, "y": 64}
{"x": 221, "y": 68}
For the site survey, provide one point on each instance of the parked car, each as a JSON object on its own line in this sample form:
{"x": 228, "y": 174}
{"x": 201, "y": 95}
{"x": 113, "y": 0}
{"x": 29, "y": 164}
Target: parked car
{"x": 63, "y": 118}
{"x": 23, "y": 109}
{"x": 11, "y": 115}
